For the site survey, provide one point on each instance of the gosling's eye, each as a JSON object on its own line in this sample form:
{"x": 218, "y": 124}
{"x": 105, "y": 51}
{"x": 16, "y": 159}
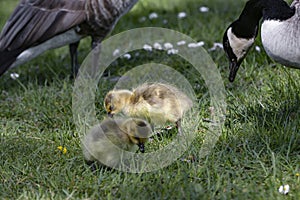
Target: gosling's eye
{"x": 141, "y": 124}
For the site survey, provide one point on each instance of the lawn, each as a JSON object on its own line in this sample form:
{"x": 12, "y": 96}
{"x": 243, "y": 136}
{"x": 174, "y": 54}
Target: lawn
{"x": 257, "y": 152}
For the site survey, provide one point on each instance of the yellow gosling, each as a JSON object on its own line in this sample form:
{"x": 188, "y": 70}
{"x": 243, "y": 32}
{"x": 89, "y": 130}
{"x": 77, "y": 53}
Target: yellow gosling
{"x": 157, "y": 102}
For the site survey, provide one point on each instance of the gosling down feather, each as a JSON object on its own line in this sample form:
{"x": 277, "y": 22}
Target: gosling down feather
{"x": 105, "y": 142}
{"x": 280, "y": 30}
{"x": 158, "y": 103}
{"x": 39, "y": 25}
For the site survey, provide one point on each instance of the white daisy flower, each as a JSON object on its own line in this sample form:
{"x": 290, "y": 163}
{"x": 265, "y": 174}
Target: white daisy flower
{"x": 127, "y": 55}
{"x": 181, "y": 15}
{"x": 14, "y": 76}
{"x": 116, "y": 52}
{"x": 203, "y": 9}
{"x": 195, "y": 45}
{"x": 153, "y": 15}
{"x": 284, "y": 189}
{"x": 180, "y": 43}
{"x": 158, "y": 46}
{"x": 172, "y": 51}
{"x": 216, "y": 46}
{"x": 257, "y": 48}
{"x": 168, "y": 45}
{"x": 147, "y": 47}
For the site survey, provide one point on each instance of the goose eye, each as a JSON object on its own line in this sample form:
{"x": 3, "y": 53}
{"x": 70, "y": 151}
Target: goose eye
{"x": 111, "y": 108}
{"x": 141, "y": 124}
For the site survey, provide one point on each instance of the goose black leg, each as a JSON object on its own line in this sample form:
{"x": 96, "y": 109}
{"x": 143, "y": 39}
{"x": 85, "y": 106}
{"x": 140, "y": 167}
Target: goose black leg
{"x": 96, "y": 42}
{"x": 74, "y": 58}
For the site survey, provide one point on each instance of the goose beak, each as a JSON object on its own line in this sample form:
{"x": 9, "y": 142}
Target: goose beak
{"x": 142, "y": 147}
{"x": 234, "y": 66}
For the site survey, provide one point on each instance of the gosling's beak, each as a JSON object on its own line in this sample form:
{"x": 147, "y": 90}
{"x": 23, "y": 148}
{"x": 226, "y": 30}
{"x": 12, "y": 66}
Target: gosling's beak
{"x": 234, "y": 66}
{"x": 142, "y": 147}
{"x": 109, "y": 114}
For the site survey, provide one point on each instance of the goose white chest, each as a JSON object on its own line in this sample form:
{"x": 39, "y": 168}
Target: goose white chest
{"x": 281, "y": 40}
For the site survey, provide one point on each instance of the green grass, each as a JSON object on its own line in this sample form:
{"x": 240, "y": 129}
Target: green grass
{"x": 259, "y": 148}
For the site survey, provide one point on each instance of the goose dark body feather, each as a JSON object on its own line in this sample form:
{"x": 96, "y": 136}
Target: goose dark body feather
{"x": 252, "y": 14}
{"x": 36, "y": 21}
{"x": 276, "y": 10}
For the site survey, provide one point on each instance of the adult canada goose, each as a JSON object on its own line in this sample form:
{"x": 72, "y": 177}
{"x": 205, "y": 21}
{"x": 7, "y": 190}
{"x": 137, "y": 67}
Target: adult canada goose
{"x": 158, "y": 103}
{"x": 39, "y": 25}
{"x": 280, "y": 32}
{"x": 105, "y": 142}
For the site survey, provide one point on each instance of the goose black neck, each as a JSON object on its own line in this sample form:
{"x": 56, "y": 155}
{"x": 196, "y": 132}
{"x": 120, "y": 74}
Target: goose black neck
{"x": 247, "y": 24}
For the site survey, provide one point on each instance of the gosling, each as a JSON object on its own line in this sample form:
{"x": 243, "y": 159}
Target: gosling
{"x": 105, "y": 142}
{"x": 157, "y": 103}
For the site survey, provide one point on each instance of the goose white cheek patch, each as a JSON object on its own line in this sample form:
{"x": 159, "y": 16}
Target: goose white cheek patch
{"x": 240, "y": 46}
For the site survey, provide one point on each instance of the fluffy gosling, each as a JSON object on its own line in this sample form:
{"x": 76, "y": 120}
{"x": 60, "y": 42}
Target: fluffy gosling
{"x": 157, "y": 102}
{"x": 105, "y": 142}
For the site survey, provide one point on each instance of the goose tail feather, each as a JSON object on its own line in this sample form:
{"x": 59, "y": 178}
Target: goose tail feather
{"x": 7, "y": 58}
